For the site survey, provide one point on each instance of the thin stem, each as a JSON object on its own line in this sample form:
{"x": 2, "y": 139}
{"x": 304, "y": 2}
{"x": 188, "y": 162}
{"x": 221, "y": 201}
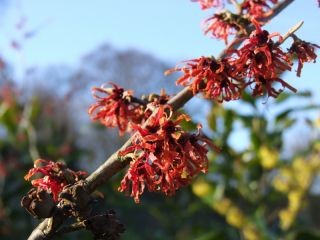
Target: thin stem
{"x": 71, "y": 228}
{"x": 237, "y": 41}
{"x": 39, "y": 232}
{"x": 278, "y": 9}
{"x": 291, "y": 32}
{"x": 237, "y": 6}
{"x": 132, "y": 98}
{"x": 114, "y": 164}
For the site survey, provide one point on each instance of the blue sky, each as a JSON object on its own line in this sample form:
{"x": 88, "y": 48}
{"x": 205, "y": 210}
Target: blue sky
{"x": 168, "y": 29}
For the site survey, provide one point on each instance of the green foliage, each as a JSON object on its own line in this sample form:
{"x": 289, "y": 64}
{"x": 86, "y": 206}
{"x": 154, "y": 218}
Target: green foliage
{"x": 255, "y": 192}
{"x": 258, "y": 190}
{"x": 245, "y": 194}
{"x": 27, "y": 131}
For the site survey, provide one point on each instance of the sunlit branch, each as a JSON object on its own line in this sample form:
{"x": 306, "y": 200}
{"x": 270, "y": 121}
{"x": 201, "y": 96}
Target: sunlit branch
{"x": 291, "y": 32}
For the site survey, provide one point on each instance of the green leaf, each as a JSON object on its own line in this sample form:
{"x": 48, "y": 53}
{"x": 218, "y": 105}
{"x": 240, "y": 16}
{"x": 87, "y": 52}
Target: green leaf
{"x": 310, "y": 235}
{"x": 188, "y": 125}
{"x": 285, "y": 96}
{"x": 284, "y": 114}
{"x": 229, "y": 120}
{"x": 247, "y": 98}
{"x": 212, "y": 120}
{"x": 208, "y": 236}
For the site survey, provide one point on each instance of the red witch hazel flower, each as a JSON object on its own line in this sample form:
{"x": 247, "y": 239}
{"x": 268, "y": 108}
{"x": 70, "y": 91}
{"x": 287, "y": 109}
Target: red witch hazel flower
{"x": 154, "y": 101}
{"x": 157, "y": 100}
{"x": 222, "y": 25}
{"x": 304, "y": 51}
{"x": 261, "y": 85}
{"x": 116, "y": 109}
{"x": 257, "y": 8}
{"x": 206, "y": 4}
{"x": 261, "y": 60}
{"x": 216, "y": 79}
{"x": 56, "y": 176}
{"x": 164, "y": 157}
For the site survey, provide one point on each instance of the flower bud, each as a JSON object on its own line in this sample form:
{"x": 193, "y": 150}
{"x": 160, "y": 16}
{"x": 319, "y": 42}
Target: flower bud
{"x": 38, "y": 203}
{"x": 105, "y": 226}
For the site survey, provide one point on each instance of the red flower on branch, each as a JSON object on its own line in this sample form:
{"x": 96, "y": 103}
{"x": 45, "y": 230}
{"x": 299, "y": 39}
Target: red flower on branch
{"x": 154, "y": 101}
{"x": 222, "y": 25}
{"x": 257, "y": 8}
{"x": 304, "y": 51}
{"x": 206, "y": 4}
{"x": 216, "y": 79}
{"x": 261, "y": 85}
{"x": 164, "y": 157}
{"x": 261, "y": 60}
{"x": 116, "y": 109}
{"x": 56, "y": 175}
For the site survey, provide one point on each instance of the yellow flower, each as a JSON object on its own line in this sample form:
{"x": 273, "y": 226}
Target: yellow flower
{"x": 304, "y": 179}
{"x": 201, "y": 188}
{"x": 236, "y": 218}
{"x": 317, "y": 122}
{"x": 250, "y": 232}
{"x": 268, "y": 157}
{"x": 280, "y": 184}
{"x": 222, "y": 206}
{"x": 282, "y": 181}
{"x": 303, "y": 172}
{"x": 300, "y": 165}
{"x": 317, "y": 146}
{"x": 287, "y": 217}
{"x": 314, "y": 162}
{"x": 295, "y": 198}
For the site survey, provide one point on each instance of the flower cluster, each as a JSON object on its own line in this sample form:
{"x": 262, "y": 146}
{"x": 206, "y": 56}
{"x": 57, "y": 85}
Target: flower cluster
{"x": 216, "y": 79}
{"x": 56, "y": 175}
{"x": 164, "y": 157}
{"x": 257, "y": 8}
{"x": 304, "y": 51}
{"x": 294, "y": 181}
{"x": 257, "y": 64}
{"x": 254, "y": 8}
{"x": 261, "y": 61}
{"x": 154, "y": 101}
{"x": 206, "y": 4}
{"x": 115, "y": 108}
{"x": 222, "y": 25}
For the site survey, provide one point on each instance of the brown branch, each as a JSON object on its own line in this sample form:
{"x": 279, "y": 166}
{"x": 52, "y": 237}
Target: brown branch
{"x": 114, "y": 164}
{"x": 48, "y": 226}
{"x": 131, "y": 98}
{"x": 237, "y": 41}
{"x": 71, "y": 228}
{"x": 40, "y": 232}
{"x": 291, "y": 31}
